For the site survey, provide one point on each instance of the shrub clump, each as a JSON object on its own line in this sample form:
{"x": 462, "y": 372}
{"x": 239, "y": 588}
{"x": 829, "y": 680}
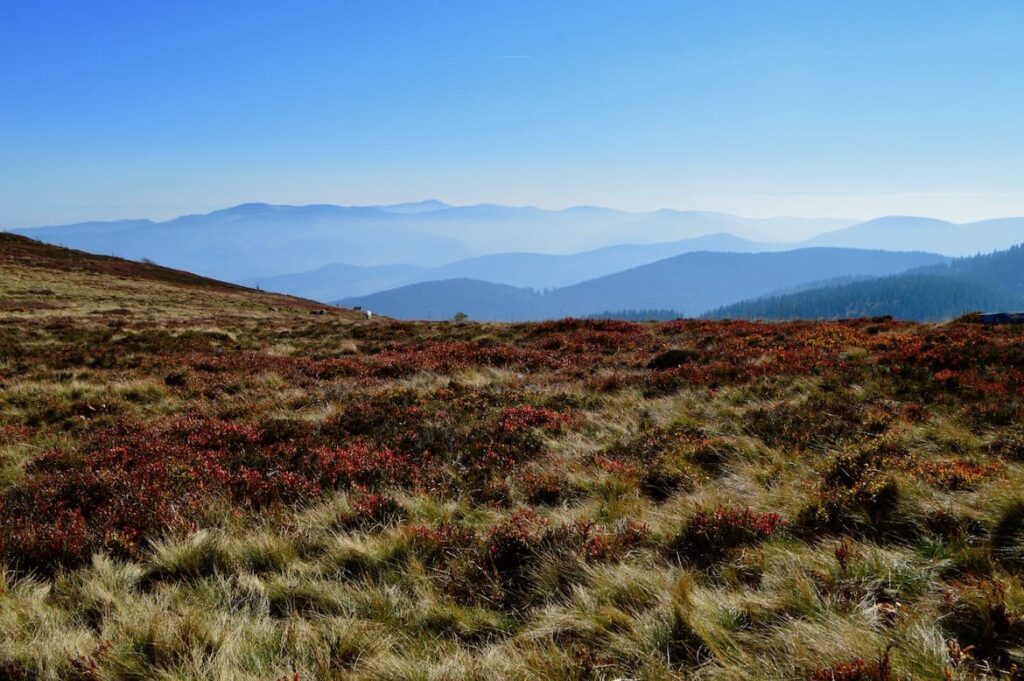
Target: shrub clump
{"x": 673, "y": 358}
{"x": 129, "y": 483}
{"x": 858, "y": 495}
{"x": 546, "y": 488}
{"x": 858, "y": 669}
{"x": 710, "y": 536}
{"x": 985, "y": 628}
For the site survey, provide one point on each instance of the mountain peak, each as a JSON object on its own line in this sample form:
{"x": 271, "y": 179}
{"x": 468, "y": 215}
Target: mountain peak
{"x": 906, "y": 221}
{"x": 243, "y": 208}
{"x": 425, "y": 206}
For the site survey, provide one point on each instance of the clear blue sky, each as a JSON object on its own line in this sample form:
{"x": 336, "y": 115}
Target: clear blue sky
{"x": 852, "y": 109}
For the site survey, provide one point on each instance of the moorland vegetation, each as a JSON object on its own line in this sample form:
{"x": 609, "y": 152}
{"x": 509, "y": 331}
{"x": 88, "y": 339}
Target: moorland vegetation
{"x": 199, "y": 481}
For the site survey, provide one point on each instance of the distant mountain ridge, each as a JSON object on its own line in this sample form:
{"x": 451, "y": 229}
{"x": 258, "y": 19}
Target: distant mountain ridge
{"x": 691, "y": 283}
{"x": 340, "y": 279}
{"x": 916, "y": 297}
{"x": 258, "y": 240}
{"x": 254, "y": 240}
{"x": 524, "y": 270}
{"x": 902, "y": 233}
{"x": 523, "y": 246}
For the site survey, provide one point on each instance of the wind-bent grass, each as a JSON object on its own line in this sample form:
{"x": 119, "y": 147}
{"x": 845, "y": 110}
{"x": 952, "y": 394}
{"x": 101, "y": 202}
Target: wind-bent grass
{"x": 222, "y": 486}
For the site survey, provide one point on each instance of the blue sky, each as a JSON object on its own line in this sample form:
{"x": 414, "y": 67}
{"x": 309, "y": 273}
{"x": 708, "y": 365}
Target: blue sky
{"x": 849, "y": 109}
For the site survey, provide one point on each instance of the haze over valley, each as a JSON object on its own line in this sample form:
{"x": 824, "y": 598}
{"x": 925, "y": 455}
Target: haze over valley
{"x": 431, "y": 260}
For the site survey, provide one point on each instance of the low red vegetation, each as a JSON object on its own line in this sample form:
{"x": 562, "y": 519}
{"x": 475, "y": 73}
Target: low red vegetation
{"x": 521, "y": 418}
{"x": 711, "y": 535}
{"x": 611, "y": 544}
{"x": 858, "y": 669}
{"x": 373, "y": 509}
{"x": 440, "y": 544}
{"x": 545, "y": 487}
{"x": 498, "y": 566}
{"x": 956, "y": 474}
{"x": 127, "y": 483}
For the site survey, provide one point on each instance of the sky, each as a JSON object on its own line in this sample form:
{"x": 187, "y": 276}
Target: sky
{"x": 844, "y": 109}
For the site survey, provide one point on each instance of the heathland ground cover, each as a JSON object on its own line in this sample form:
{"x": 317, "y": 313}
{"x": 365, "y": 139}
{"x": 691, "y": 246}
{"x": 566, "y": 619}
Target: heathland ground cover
{"x": 199, "y": 481}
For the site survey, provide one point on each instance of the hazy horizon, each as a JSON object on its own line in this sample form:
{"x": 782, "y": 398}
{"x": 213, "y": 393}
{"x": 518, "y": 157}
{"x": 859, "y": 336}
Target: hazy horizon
{"x": 167, "y": 213}
{"x": 788, "y": 109}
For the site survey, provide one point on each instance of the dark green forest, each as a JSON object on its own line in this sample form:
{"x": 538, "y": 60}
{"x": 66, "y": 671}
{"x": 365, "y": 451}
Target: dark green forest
{"x": 990, "y": 282}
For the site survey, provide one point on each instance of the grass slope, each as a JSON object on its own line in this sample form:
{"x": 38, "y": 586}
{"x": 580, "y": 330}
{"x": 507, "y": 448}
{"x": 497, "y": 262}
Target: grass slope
{"x": 40, "y": 279}
{"x": 206, "y": 488}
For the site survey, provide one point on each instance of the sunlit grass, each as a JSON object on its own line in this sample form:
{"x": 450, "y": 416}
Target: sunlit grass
{"x": 343, "y": 499}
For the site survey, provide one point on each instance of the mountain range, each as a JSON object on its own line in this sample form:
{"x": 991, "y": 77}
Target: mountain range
{"x": 524, "y": 270}
{"x": 691, "y": 283}
{"x": 257, "y": 240}
{"x": 902, "y": 233}
{"x": 432, "y": 259}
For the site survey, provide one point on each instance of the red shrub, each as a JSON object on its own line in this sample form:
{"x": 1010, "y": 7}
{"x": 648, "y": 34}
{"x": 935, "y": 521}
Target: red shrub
{"x": 12, "y": 434}
{"x": 541, "y": 486}
{"x": 858, "y": 670}
{"x": 457, "y": 435}
{"x": 523, "y": 417}
{"x": 371, "y": 510}
{"x": 710, "y": 535}
{"x": 87, "y": 667}
{"x": 510, "y": 544}
{"x": 128, "y": 483}
{"x": 360, "y": 464}
{"x": 439, "y": 544}
{"x": 603, "y": 544}
{"x": 956, "y": 474}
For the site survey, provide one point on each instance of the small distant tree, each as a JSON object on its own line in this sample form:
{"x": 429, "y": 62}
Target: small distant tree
{"x": 460, "y": 317}
{"x": 147, "y": 261}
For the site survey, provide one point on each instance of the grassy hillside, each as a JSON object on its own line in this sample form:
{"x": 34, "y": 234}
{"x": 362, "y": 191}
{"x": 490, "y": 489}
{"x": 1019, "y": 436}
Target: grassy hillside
{"x": 47, "y": 282}
{"x": 201, "y": 487}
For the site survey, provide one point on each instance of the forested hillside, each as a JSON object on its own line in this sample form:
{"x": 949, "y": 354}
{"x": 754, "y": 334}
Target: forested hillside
{"x": 994, "y": 281}
{"x": 917, "y": 297}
